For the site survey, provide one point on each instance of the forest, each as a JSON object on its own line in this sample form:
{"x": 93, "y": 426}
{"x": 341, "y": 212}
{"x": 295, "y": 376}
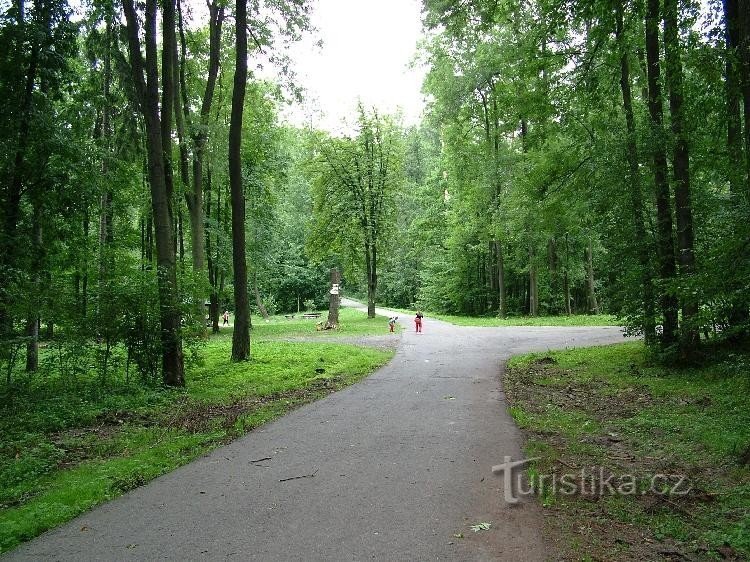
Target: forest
{"x": 573, "y": 158}
{"x": 576, "y": 161}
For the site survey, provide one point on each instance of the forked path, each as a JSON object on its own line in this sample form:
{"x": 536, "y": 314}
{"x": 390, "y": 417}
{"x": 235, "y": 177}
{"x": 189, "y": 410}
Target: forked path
{"x": 401, "y": 462}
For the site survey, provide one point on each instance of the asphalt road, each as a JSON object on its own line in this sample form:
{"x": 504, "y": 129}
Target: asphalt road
{"x": 401, "y": 463}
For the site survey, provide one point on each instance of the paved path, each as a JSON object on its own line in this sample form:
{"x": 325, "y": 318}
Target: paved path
{"x": 399, "y": 469}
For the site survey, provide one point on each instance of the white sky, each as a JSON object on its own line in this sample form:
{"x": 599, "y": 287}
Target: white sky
{"x": 366, "y": 54}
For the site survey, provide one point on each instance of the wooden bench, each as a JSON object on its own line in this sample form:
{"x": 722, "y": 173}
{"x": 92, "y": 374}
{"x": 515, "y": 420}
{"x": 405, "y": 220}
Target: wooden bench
{"x": 311, "y": 315}
{"x": 289, "y": 316}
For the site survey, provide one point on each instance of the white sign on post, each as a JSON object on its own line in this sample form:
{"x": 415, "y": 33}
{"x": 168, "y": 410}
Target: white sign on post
{"x": 335, "y": 289}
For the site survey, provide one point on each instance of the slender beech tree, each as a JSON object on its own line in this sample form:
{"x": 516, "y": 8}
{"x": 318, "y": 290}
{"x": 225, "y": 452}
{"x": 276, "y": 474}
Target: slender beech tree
{"x": 636, "y": 189}
{"x": 106, "y": 213}
{"x": 147, "y": 90}
{"x": 665, "y": 239}
{"x": 733, "y": 89}
{"x": 213, "y": 248}
{"x": 593, "y": 305}
{"x": 681, "y": 170}
{"x": 743, "y": 54}
{"x": 241, "y": 336}
{"x": 12, "y": 201}
{"x": 194, "y": 197}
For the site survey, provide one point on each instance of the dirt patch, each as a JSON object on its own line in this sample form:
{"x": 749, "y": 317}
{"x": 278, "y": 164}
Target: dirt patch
{"x": 82, "y": 444}
{"x": 196, "y": 417}
{"x": 545, "y": 361}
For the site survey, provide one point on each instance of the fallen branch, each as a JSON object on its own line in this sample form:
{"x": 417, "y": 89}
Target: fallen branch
{"x": 260, "y": 460}
{"x": 297, "y": 477}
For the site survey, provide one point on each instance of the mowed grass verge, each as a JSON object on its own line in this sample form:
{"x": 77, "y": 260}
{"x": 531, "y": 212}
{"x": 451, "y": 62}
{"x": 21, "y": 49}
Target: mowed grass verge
{"x": 352, "y": 323}
{"x": 492, "y": 321}
{"x": 70, "y": 443}
{"x": 612, "y": 411}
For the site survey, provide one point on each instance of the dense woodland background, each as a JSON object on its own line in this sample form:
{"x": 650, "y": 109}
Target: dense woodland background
{"x": 574, "y": 157}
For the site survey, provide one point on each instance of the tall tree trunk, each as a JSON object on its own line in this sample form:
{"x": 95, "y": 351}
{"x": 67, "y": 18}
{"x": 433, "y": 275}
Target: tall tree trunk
{"x": 180, "y": 103}
{"x": 554, "y": 275}
{"x": 84, "y": 310}
{"x": 181, "y": 239}
{"x": 182, "y": 113}
{"x": 738, "y": 188}
{"x": 495, "y": 141}
{"x": 212, "y": 262}
{"x": 533, "y": 284}
{"x": 743, "y": 50}
{"x": 492, "y": 273}
{"x": 200, "y": 135}
{"x": 648, "y": 324}
{"x": 681, "y": 170}
{"x": 566, "y": 280}
{"x": 148, "y": 93}
{"x": 503, "y": 306}
{"x": 241, "y": 336}
{"x": 665, "y": 240}
{"x": 8, "y": 246}
{"x": 482, "y": 282}
{"x": 258, "y": 300}
{"x": 106, "y": 213}
{"x": 733, "y": 82}
{"x": 593, "y": 305}
{"x": 334, "y": 300}
{"x": 32, "y": 317}
{"x": 32, "y": 345}
{"x": 372, "y": 280}
{"x": 172, "y": 360}
{"x": 13, "y": 203}
{"x": 533, "y": 294}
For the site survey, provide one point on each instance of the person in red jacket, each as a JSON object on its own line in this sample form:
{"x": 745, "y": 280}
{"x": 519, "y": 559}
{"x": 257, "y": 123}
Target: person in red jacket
{"x": 418, "y": 321}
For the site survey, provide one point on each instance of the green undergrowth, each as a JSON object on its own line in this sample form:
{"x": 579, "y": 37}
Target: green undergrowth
{"x": 614, "y": 408}
{"x": 70, "y": 443}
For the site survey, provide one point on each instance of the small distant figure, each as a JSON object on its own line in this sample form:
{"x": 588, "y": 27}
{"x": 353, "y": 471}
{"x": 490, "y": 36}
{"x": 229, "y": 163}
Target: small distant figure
{"x": 418, "y": 321}
{"x": 392, "y": 322}
{"x": 226, "y": 318}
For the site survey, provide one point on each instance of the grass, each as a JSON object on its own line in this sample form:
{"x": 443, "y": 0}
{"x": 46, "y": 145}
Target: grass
{"x": 352, "y": 323}
{"x": 70, "y": 443}
{"x": 494, "y": 321}
{"x": 613, "y": 407}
